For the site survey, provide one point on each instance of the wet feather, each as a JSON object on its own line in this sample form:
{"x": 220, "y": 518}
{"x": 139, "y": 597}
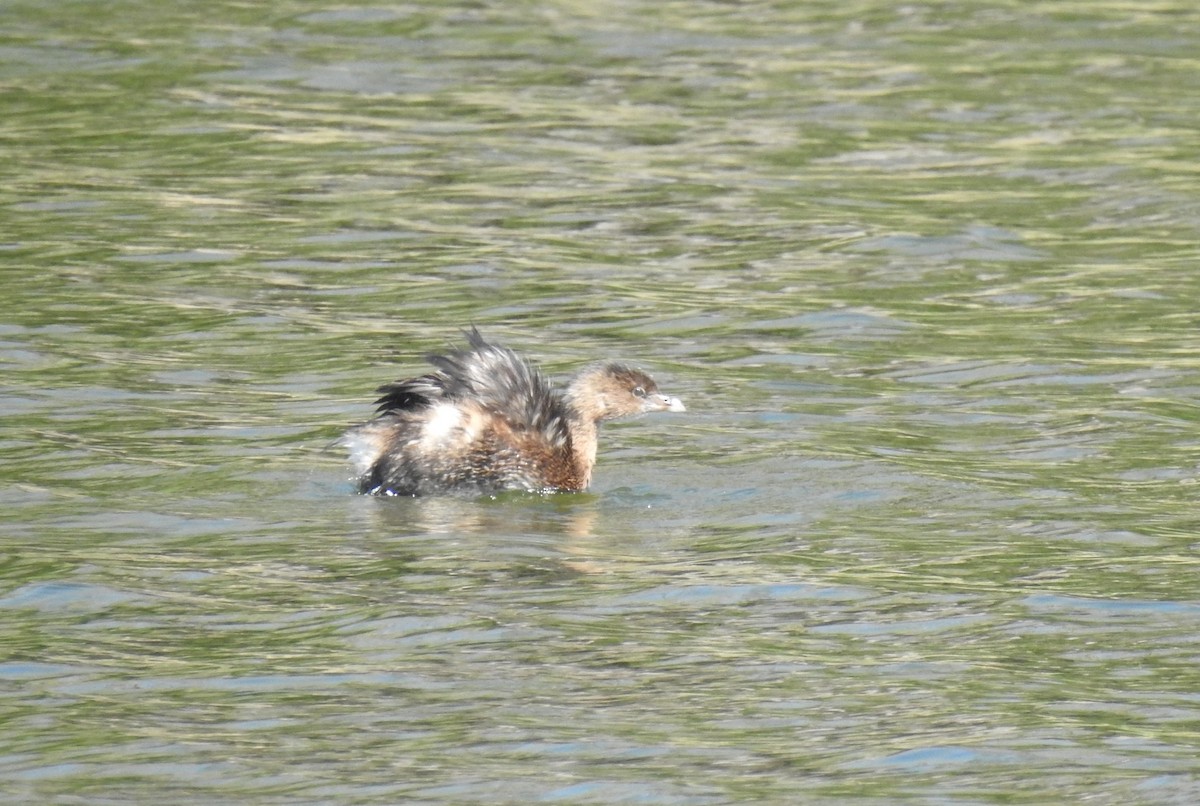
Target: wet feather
{"x": 487, "y": 420}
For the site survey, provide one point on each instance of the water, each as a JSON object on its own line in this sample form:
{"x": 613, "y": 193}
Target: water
{"x": 924, "y": 275}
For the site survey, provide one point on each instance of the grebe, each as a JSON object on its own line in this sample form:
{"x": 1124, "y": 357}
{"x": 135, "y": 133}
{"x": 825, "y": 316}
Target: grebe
{"x": 486, "y": 420}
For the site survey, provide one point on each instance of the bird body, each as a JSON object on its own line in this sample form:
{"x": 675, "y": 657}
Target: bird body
{"x": 487, "y": 420}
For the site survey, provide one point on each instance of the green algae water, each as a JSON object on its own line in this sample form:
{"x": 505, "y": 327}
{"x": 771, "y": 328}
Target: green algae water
{"x": 924, "y": 274}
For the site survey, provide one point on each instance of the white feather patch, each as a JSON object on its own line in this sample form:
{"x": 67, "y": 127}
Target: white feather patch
{"x": 443, "y": 421}
{"x": 365, "y": 446}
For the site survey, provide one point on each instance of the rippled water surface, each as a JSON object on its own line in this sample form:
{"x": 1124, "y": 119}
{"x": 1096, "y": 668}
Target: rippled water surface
{"x": 925, "y": 275}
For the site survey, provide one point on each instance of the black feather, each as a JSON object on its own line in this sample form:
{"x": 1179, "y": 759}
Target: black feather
{"x": 410, "y": 395}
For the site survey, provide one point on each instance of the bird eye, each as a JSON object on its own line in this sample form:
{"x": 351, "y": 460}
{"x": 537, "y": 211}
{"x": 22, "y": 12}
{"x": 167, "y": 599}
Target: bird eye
{"x": 639, "y": 391}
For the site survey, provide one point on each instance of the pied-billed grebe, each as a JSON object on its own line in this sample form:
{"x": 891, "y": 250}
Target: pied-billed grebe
{"x": 486, "y": 420}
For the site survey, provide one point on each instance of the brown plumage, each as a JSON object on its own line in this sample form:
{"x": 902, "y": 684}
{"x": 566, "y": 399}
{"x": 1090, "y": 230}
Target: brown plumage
{"x": 486, "y": 420}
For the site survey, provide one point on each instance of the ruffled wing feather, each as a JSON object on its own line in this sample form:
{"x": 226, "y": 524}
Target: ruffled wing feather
{"x": 503, "y": 383}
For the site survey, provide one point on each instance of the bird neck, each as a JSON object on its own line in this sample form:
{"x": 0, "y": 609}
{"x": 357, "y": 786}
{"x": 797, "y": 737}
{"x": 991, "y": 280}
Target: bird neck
{"x": 584, "y": 434}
